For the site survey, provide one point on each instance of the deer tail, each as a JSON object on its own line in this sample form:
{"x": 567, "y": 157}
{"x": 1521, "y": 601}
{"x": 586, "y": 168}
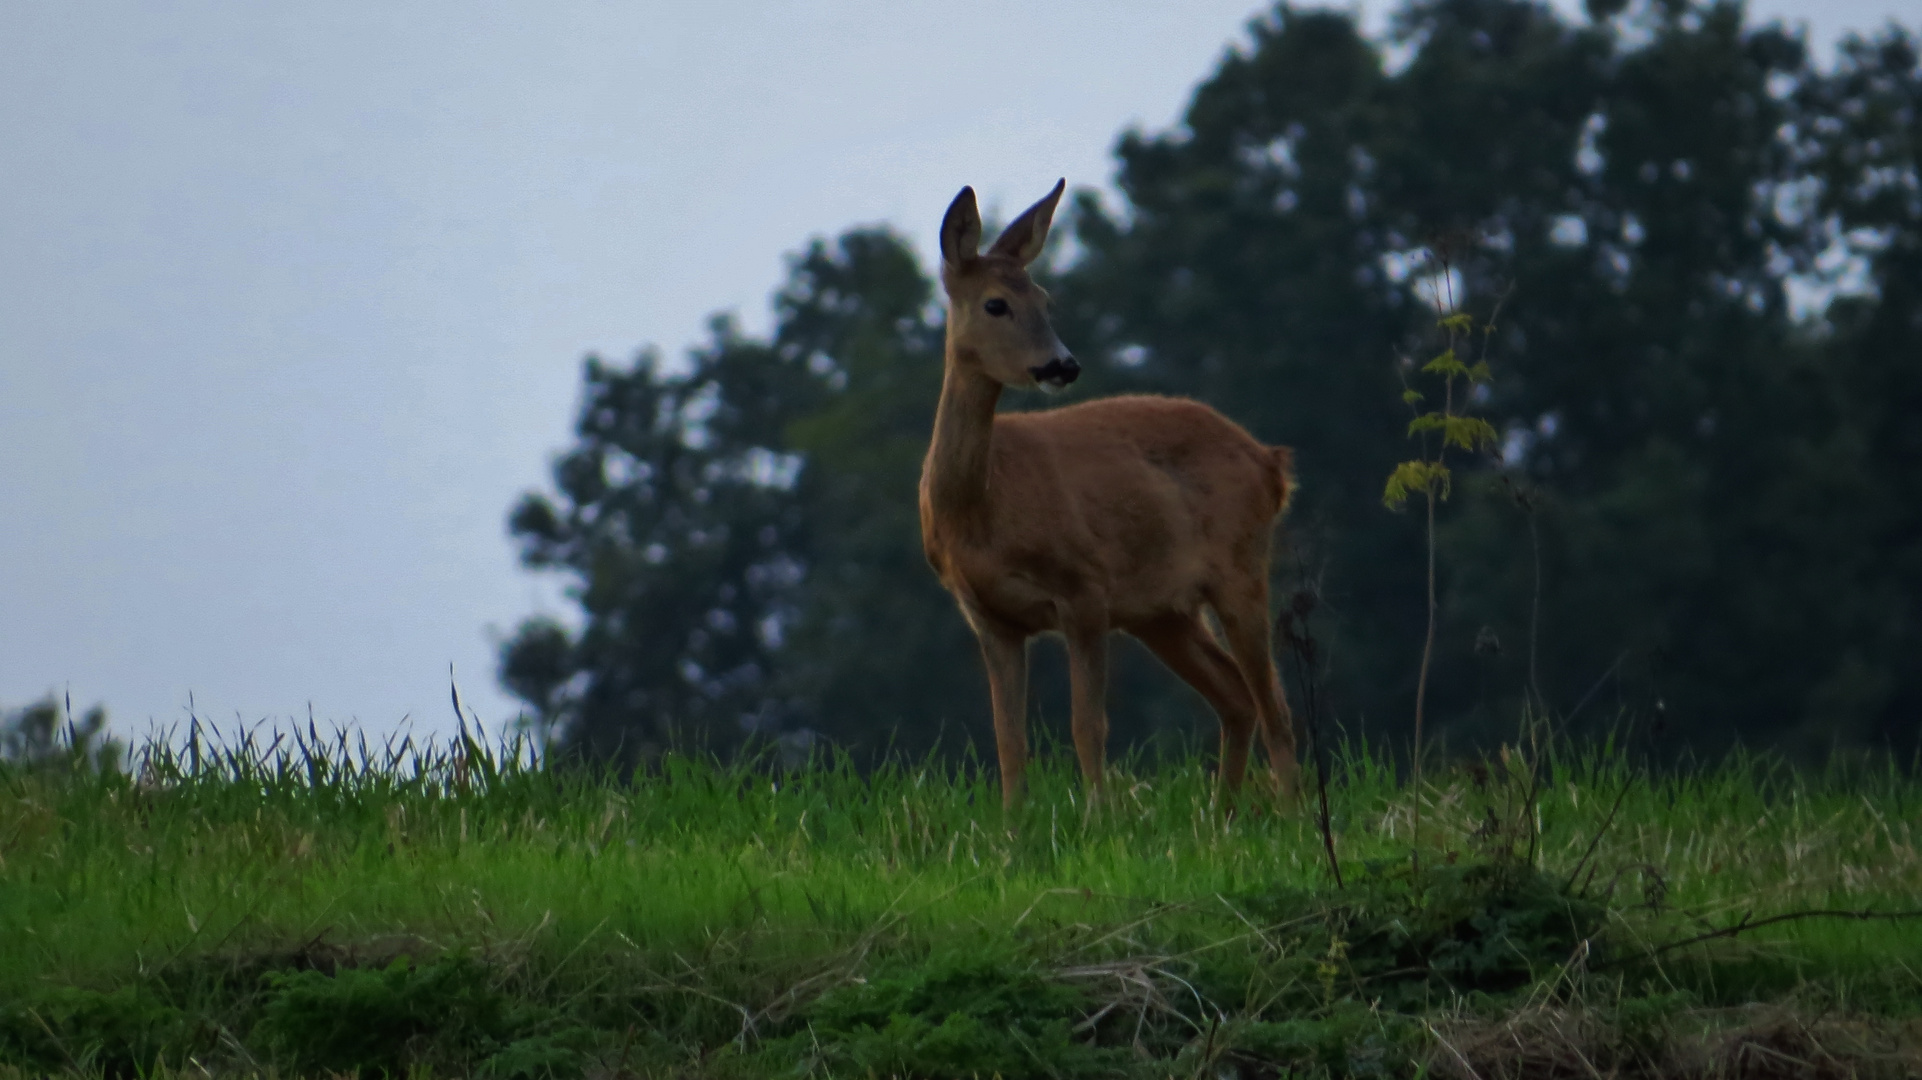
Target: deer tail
{"x": 1284, "y": 464}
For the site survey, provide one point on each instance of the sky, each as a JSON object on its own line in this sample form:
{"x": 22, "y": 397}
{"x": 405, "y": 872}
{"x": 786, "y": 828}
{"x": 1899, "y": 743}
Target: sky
{"x": 294, "y": 297}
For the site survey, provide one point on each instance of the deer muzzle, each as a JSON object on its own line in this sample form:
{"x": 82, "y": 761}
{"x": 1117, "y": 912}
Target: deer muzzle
{"x": 1056, "y": 373}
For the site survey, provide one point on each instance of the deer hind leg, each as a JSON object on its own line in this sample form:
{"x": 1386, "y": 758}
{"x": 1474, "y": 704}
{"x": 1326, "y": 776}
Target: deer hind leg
{"x": 1086, "y": 631}
{"x": 1278, "y": 734}
{"x": 1244, "y": 622}
{"x": 1191, "y": 652}
{"x": 1006, "y": 657}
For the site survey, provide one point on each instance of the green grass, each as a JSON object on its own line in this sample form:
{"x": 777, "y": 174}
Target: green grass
{"x": 318, "y": 906}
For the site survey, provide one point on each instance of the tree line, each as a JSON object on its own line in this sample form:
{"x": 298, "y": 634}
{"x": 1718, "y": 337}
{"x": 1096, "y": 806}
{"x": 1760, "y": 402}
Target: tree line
{"x": 1699, "y": 253}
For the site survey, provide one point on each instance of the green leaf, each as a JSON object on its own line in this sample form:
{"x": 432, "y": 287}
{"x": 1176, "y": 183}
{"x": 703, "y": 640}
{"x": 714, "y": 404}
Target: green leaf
{"x": 1411, "y": 396}
{"x": 1395, "y": 495}
{"x": 1459, "y": 322}
{"x": 1433, "y": 421}
{"x": 1429, "y": 478}
{"x": 1468, "y": 432}
{"x": 1445, "y": 365}
{"x": 1480, "y": 372}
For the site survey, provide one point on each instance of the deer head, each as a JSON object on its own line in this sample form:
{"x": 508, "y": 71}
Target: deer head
{"x": 997, "y": 316}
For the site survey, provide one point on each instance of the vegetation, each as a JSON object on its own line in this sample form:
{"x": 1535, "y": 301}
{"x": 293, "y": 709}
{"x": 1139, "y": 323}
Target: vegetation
{"x": 1707, "y": 369}
{"x": 316, "y": 907}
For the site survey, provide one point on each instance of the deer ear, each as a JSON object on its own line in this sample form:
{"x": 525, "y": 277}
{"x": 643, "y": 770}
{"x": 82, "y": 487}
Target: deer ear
{"x": 1023, "y": 238}
{"x": 961, "y": 230}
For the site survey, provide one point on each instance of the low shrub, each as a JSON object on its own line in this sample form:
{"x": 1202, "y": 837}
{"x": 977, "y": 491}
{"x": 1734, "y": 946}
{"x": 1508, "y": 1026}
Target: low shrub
{"x": 381, "y": 1021}
{"x": 956, "y": 1019}
{"x": 121, "y": 1033}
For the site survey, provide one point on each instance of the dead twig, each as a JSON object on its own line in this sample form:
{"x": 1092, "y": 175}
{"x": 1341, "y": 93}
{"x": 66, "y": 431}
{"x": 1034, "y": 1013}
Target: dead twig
{"x": 1746, "y": 924}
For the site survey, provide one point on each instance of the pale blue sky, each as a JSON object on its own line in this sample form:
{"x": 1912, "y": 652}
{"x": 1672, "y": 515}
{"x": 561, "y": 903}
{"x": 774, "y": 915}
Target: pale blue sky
{"x": 293, "y": 297}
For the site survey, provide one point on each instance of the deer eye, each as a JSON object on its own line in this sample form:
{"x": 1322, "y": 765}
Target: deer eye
{"x": 996, "y": 307}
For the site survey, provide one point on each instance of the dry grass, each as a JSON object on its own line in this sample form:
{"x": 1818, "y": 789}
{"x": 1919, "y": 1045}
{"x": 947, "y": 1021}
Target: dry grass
{"x": 1756, "y": 1042}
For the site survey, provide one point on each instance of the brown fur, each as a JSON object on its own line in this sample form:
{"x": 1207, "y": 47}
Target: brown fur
{"x": 1134, "y": 513}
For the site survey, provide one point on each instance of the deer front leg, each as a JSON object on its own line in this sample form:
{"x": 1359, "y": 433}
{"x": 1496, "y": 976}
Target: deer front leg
{"x": 1086, "y": 632}
{"x": 1006, "y": 658}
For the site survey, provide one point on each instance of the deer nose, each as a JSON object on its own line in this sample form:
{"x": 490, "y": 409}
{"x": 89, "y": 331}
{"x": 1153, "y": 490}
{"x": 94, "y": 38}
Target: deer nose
{"x": 1057, "y": 372}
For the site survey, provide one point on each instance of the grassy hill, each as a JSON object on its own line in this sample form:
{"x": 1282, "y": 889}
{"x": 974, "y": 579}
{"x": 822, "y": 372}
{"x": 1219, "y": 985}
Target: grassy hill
{"x": 320, "y": 908}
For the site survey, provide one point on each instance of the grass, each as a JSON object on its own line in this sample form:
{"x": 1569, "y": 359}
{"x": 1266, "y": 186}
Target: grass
{"x": 320, "y": 907}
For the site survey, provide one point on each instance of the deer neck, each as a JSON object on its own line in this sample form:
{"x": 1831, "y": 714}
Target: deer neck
{"x": 957, "y": 463}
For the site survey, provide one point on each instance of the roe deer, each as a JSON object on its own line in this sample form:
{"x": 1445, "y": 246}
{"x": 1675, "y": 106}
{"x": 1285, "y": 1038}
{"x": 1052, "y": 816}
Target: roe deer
{"x": 1133, "y": 513}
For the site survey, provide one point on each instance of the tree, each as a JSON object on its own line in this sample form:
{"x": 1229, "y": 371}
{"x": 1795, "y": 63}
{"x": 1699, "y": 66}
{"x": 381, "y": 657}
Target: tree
{"x": 879, "y": 657}
{"x": 1245, "y": 272}
{"x": 1705, "y": 497}
{"x": 1862, "y": 146}
{"x": 742, "y": 535}
{"x": 1723, "y": 487}
{"x": 674, "y": 514}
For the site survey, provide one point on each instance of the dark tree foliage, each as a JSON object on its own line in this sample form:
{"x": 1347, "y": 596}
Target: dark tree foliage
{"x": 1720, "y": 471}
{"x": 741, "y": 535}
{"x": 673, "y": 517}
{"x": 1859, "y": 134}
{"x": 1633, "y": 187}
{"x": 1247, "y": 274}
{"x": 879, "y": 657}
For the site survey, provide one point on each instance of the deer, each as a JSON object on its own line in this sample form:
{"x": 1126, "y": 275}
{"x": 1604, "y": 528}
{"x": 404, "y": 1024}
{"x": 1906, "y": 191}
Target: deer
{"x": 1139, "y": 513}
